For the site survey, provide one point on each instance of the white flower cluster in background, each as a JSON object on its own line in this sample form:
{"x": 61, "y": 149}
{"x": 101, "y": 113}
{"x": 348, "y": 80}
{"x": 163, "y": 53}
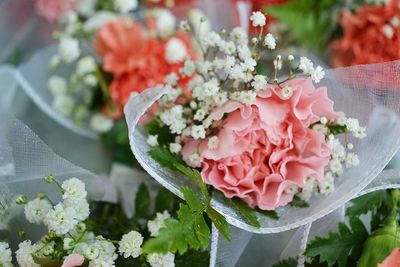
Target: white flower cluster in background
{"x": 342, "y": 156}
{"x": 5, "y": 255}
{"x": 154, "y": 226}
{"x": 66, "y": 220}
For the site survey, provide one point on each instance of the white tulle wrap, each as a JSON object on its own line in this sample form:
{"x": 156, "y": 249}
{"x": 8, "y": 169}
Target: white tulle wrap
{"x": 370, "y": 93}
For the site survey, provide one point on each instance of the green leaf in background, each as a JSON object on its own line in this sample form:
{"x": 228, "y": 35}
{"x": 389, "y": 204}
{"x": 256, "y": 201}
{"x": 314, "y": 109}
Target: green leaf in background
{"x": 336, "y": 248}
{"x": 193, "y": 258}
{"x": 286, "y": 263}
{"x": 171, "y": 238}
{"x": 15, "y": 58}
{"x": 312, "y": 23}
{"x": 164, "y": 134}
{"x": 368, "y": 202}
{"x": 165, "y": 200}
{"x": 142, "y": 201}
{"x": 299, "y": 203}
{"x": 165, "y": 158}
{"x": 220, "y": 223}
{"x": 246, "y": 212}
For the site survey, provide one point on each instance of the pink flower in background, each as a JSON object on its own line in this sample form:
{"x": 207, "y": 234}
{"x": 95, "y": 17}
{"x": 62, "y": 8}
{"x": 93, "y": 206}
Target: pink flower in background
{"x": 73, "y": 260}
{"x": 53, "y": 9}
{"x": 393, "y": 260}
{"x": 267, "y": 148}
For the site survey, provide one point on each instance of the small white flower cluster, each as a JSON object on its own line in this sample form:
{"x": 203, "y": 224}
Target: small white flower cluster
{"x": 154, "y": 226}
{"x": 307, "y": 67}
{"x": 341, "y": 158}
{"x": 5, "y": 255}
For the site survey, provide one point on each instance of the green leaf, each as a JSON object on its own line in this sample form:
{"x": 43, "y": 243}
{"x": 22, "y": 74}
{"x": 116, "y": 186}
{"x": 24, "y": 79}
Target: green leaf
{"x": 192, "y": 199}
{"x": 286, "y": 263}
{"x": 269, "y": 213}
{"x": 337, "y": 248}
{"x": 202, "y": 230}
{"x": 187, "y": 218}
{"x": 299, "y": 203}
{"x": 193, "y": 258}
{"x": 165, "y": 200}
{"x": 195, "y": 176}
{"x": 15, "y": 58}
{"x": 164, "y": 134}
{"x": 171, "y": 238}
{"x": 220, "y": 223}
{"x": 368, "y": 202}
{"x": 316, "y": 26}
{"x": 247, "y": 213}
{"x": 142, "y": 201}
{"x": 165, "y": 158}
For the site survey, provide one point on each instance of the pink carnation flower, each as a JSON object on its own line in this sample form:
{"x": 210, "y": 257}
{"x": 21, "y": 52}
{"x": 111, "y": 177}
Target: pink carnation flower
{"x": 393, "y": 260}
{"x": 73, "y": 260}
{"x": 267, "y": 148}
{"x": 53, "y": 9}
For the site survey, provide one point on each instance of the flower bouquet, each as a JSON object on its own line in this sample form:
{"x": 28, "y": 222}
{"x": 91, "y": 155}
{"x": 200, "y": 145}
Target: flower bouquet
{"x": 266, "y": 143}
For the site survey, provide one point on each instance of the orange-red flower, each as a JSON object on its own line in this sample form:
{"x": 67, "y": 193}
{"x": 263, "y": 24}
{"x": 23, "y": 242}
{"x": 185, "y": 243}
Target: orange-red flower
{"x": 135, "y": 57}
{"x": 371, "y": 35}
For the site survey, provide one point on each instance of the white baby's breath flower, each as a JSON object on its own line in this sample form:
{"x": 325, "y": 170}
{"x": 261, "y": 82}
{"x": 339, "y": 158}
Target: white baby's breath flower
{"x": 124, "y": 6}
{"x": 306, "y": 65}
{"x": 90, "y": 80}
{"x": 270, "y": 41}
{"x": 80, "y": 206}
{"x": 220, "y": 98}
{"x": 188, "y": 68}
{"x": 200, "y": 114}
{"x": 161, "y": 260}
{"x": 152, "y": 140}
{"x": 175, "y": 148}
{"x": 63, "y": 104}
{"x": 326, "y": 187}
{"x": 36, "y": 210}
{"x": 165, "y": 22}
{"x": 244, "y": 52}
{"x": 290, "y": 58}
{"x": 86, "y": 7}
{"x": 68, "y": 49}
{"x": 203, "y": 67}
{"x": 194, "y": 159}
{"x": 100, "y": 263}
{"x": 388, "y": 31}
{"x": 184, "y": 26}
{"x": 236, "y": 73}
{"x": 57, "y": 85}
{"x": 227, "y": 47}
{"x": 86, "y": 65}
{"x": 198, "y": 132}
{"x": 212, "y": 39}
{"x": 100, "y": 123}
{"x": 61, "y": 220}
{"x": 213, "y": 142}
{"x": 199, "y": 23}
{"x": 239, "y": 36}
{"x": 24, "y": 254}
{"x": 249, "y": 64}
{"x": 130, "y": 244}
{"x": 260, "y": 82}
{"x": 336, "y": 167}
{"x": 5, "y": 255}
{"x": 360, "y": 132}
{"x": 317, "y": 74}
{"x": 74, "y": 189}
{"x": 155, "y": 225}
{"x": 171, "y": 79}
{"x": 292, "y": 189}
{"x": 258, "y": 19}
{"x": 211, "y": 87}
{"x": 352, "y": 160}
{"x": 247, "y": 97}
{"x": 320, "y": 128}
{"x": 175, "y": 51}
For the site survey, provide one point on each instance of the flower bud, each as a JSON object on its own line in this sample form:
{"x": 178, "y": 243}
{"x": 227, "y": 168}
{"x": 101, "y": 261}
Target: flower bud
{"x": 49, "y": 178}
{"x": 21, "y": 200}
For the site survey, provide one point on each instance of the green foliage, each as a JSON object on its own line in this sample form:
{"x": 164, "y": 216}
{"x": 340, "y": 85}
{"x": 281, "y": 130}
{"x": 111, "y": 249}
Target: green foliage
{"x": 165, "y": 200}
{"x": 337, "y": 248}
{"x": 15, "y": 58}
{"x": 193, "y": 258}
{"x": 368, "y": 202}
{"x": 246, "y": 212}
{"x": 165, "y": 158}
{"x": 142, "y": 202}
{"x": 220, "y": 223}
{"x": 337, "y": 129}
{"x": 195, "y": 176}
{"x": 164, "y": 134}
{"x": 317, "y": 23}
{"x": 299, "y": 203}
{"x": 286, "y": 263}
{"x": 117, "y": 141}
